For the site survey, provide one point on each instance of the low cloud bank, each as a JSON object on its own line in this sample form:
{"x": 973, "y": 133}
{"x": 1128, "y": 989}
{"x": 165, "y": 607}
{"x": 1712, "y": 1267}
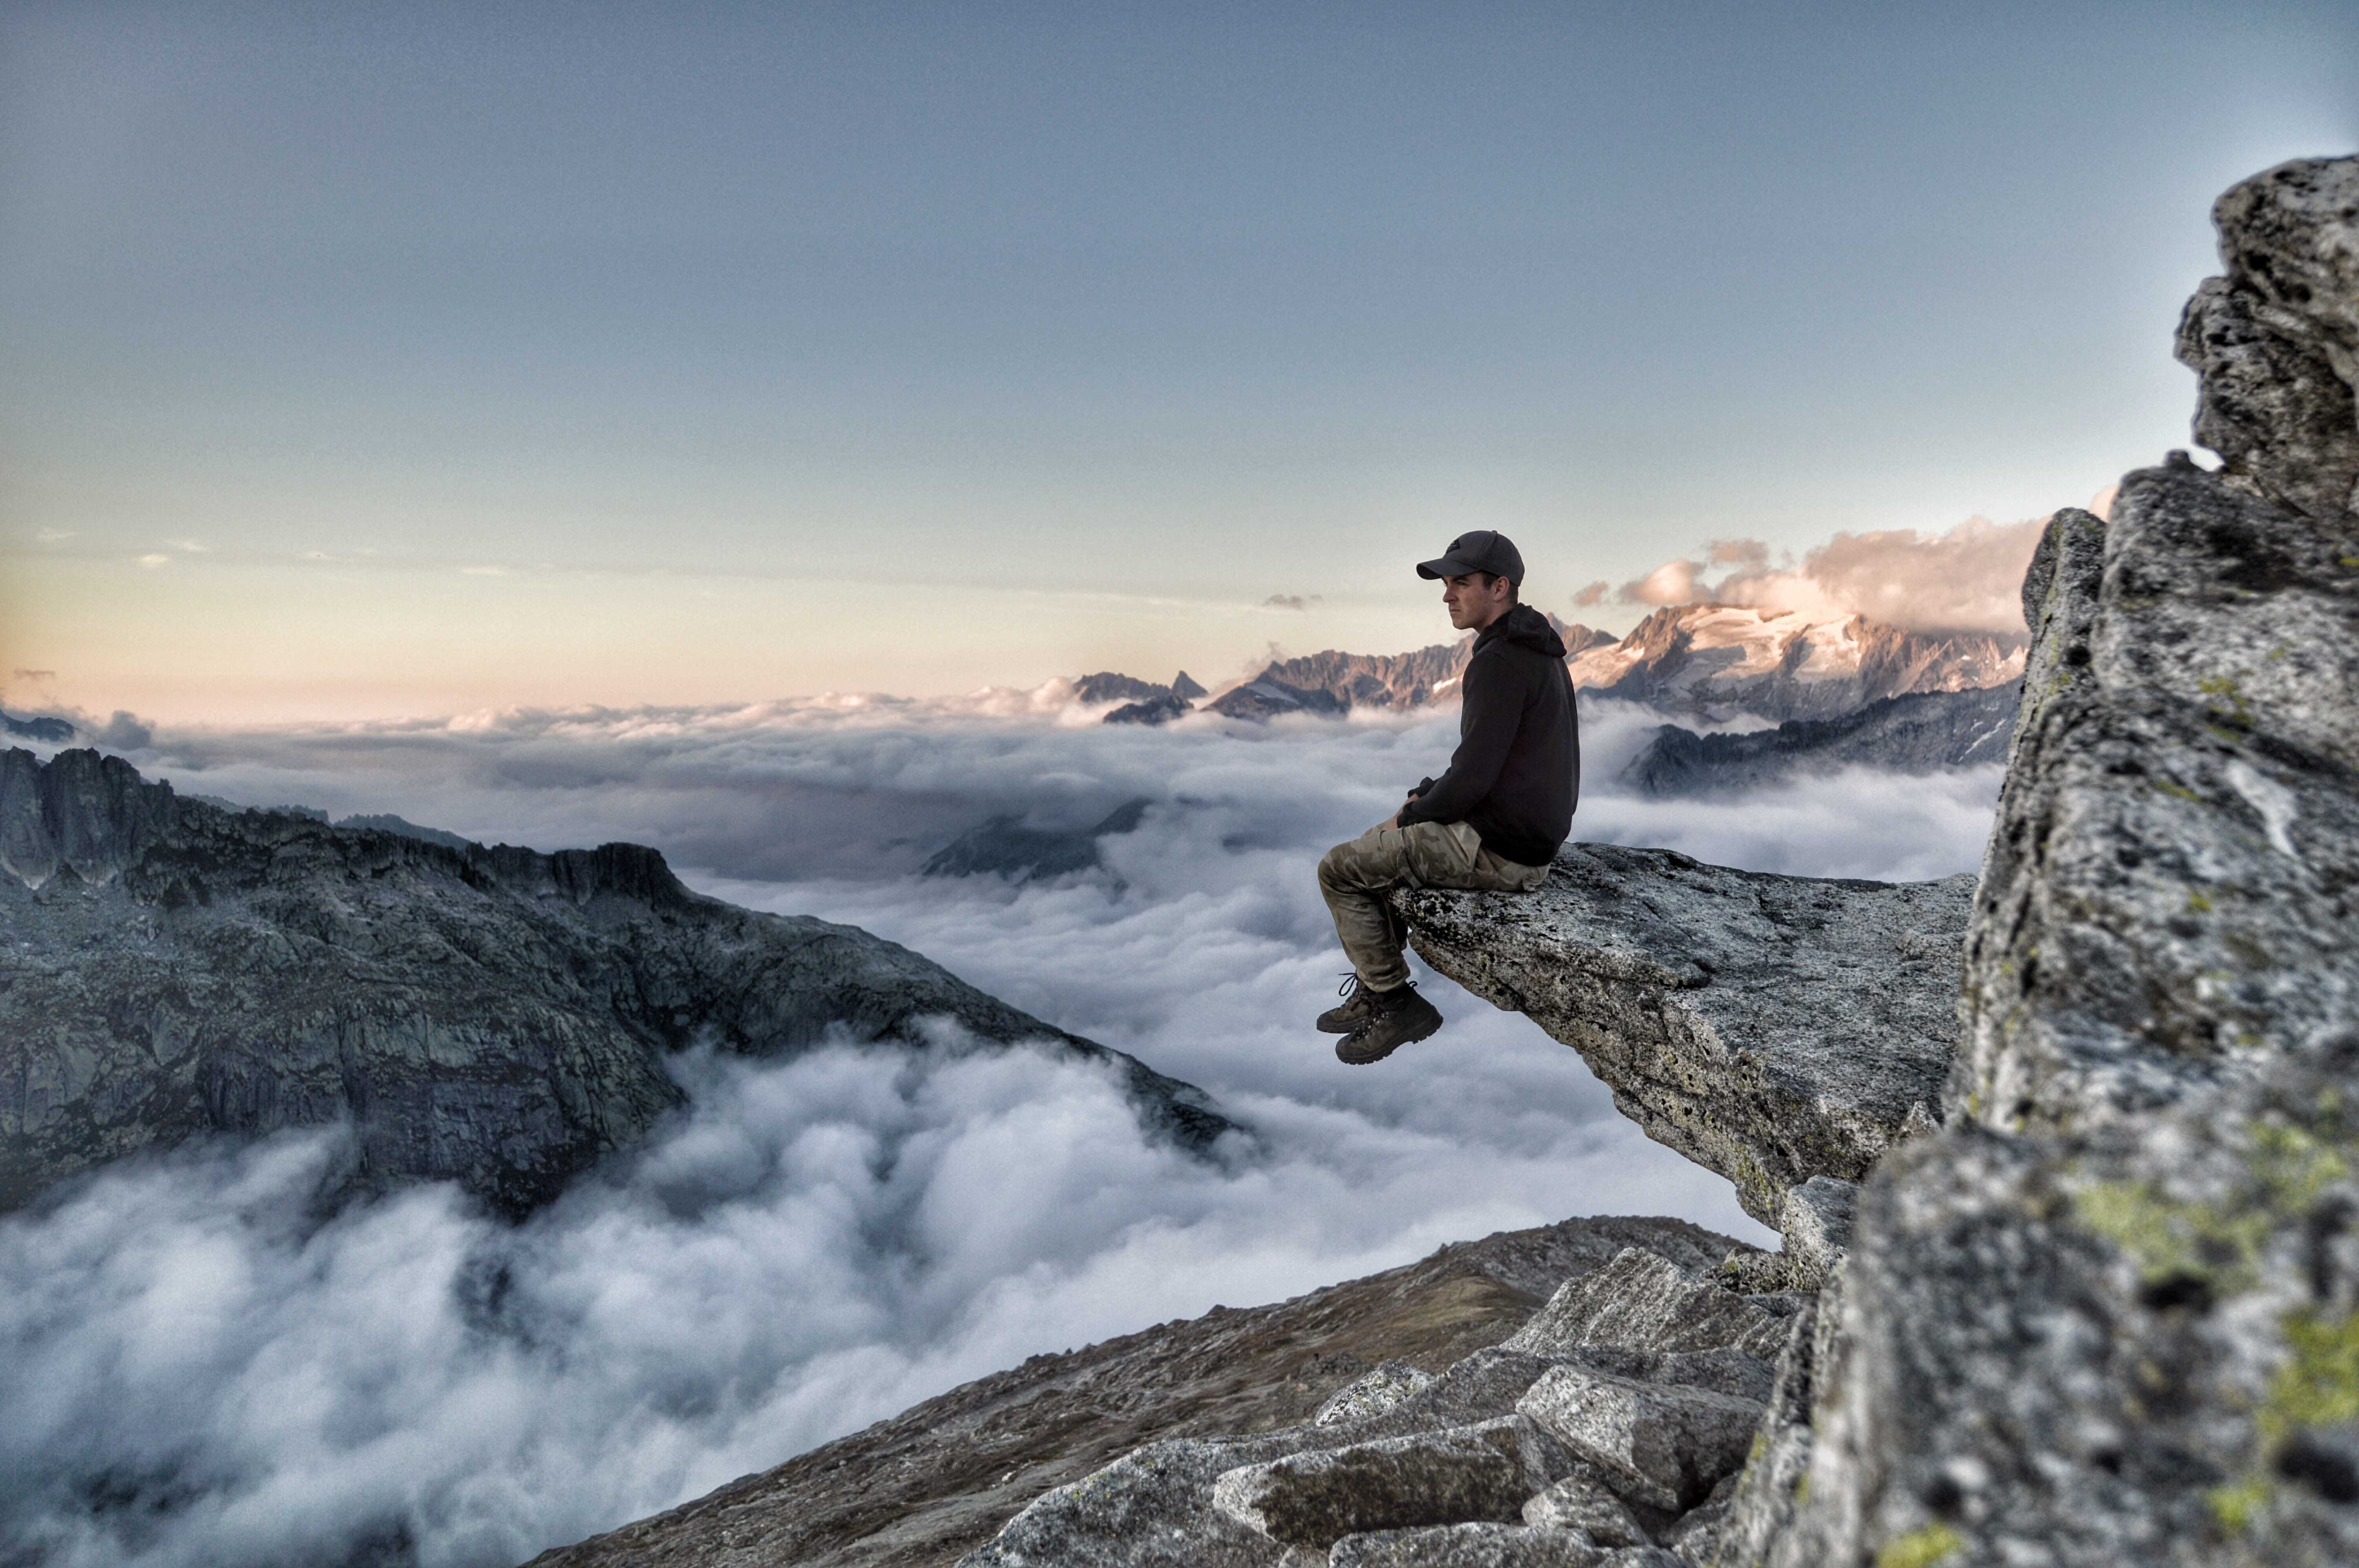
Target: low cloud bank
{"x": 197, "y": 1373}
{"x": 1967, "y": 579}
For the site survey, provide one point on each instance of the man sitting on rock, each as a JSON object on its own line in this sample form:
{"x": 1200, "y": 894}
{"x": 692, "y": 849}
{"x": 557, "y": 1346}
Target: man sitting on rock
{"x": 1493, "y": 820}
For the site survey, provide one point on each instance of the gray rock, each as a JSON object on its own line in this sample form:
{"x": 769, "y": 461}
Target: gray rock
{"x": 1584, "y": 1503}
{"x": 1443, "y": 1477}
{"x": 1660, "y": 1444}
{"x": 1147, "y": 1509}
{"x": 1761, "y": 1506}
{"x": 2108, "y": 1314}
{"x": 1817, "y": 1228}
{"x": 1483, "y": 1387}
{"x": 1374, "y": 1394}
{"x": 1644, "y": 1557}
{"x": 1643, "y": 1301}
{"x": 493, "y": 1016}
{"x": 1770, "y": 1028}
{"x": 1925, "y": 732}
{"x": 2165, "y": 895}
{"x": 1468, "y": 1546}
{"x": 2275, "y": 340}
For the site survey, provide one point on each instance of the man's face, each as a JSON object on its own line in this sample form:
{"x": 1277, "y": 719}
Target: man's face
{"x": 1474, "y": 600}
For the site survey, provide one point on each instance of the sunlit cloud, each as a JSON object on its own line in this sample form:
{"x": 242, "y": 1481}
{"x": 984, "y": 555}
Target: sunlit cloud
{"x": 1966, "y": 579}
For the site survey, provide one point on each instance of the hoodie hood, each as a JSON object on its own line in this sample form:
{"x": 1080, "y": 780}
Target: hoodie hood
{"x": 1526, "y": 628}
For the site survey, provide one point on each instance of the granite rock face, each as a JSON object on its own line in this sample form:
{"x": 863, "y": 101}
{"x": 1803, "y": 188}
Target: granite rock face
{"x": 2275, "y": 338}
{"x": 2110, "y": 1313}
{"x": 1770, "y": 1028}
{"x": 1663, "y": 1445}
{"x": 492, "y": 1016}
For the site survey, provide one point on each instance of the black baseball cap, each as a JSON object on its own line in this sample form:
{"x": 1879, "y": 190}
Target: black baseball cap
{"x": 1481, "y": 551}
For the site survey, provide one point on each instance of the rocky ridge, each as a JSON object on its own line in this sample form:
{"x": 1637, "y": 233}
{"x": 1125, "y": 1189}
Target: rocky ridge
{"x": 944, "y": 1476}
{"x": 492, "y": 1016}
{"x": 1923, "y": 732}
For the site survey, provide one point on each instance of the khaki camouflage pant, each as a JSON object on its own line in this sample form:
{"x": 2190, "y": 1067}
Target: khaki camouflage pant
{"x": 1355, "y": 876}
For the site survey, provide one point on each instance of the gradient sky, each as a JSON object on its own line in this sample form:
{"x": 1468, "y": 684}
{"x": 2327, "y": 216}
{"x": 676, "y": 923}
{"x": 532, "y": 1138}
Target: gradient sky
{"x": 373, "y": 360}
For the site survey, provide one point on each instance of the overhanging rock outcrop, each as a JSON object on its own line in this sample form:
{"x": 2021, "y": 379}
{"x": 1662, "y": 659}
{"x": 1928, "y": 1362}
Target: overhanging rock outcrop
{"x": 1771, "y": 1027}
{"x": 488, "y": 1015}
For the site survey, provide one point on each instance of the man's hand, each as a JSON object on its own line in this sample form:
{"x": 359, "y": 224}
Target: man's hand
{"x": 1388, "y": 825}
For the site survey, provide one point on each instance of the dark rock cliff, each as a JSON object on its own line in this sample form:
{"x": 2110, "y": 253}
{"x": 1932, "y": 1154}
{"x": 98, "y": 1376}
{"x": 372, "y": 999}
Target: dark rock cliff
{"x": 494, "y": 1016}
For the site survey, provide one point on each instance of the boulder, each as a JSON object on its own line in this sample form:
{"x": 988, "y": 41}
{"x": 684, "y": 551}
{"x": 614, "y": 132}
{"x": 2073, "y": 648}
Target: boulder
{"x": 1372, "y": 1395}
{"x": 1770, "y": 1028}
{"x": 1469, "y": 1546}
{"x": 1644, "y": 1302}
{"x": 1442, "y": 1477}
{"x": 1584, "y": 1503}
{"x": 1658, "y": 1443}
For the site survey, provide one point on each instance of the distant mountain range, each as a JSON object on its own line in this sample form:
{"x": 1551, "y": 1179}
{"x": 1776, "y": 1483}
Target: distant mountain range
{"x": 1715, "y": 661}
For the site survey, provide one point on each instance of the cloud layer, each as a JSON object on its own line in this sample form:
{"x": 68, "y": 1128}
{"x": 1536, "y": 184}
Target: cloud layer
{"x": 1967, "y": 579}
{"x": 198, "y": 1373}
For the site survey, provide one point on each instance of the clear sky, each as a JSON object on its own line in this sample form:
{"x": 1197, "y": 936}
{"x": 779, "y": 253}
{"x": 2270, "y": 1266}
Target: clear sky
{"x": 408, "y": 359}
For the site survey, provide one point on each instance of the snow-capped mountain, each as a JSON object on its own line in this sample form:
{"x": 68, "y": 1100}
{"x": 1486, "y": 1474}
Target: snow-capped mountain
{"x": 1717, "y": 661}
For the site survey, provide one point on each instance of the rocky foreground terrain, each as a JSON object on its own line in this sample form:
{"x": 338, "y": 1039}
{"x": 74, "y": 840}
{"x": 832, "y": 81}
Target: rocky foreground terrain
{"x": 174, "y": 969}
{"x": 2070, "y": 1274}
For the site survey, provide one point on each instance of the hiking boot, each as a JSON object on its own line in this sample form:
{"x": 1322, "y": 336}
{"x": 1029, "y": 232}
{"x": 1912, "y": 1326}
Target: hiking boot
{"x": 1402, "y": 1016}
{"x": 1358, "y": 1006}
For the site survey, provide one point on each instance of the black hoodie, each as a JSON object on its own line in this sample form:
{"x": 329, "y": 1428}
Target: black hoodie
{"x": 1515, "y": 776}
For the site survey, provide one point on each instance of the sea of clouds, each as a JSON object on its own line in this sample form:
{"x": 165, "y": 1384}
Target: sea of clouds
{"x": 197, "y": 1371}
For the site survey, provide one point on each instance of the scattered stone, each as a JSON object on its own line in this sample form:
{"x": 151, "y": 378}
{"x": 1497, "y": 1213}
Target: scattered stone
{"x": 1586, "y": 1503}
{"x": 1444, "y": 1478}
{"x": 1769, "y": 1028}
{"x": 1658, "y": 1443}
{"x": 1644, "y": 1302}
{"x": 1468, "y": 1546}
{"x": 1374, "y": 1394}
